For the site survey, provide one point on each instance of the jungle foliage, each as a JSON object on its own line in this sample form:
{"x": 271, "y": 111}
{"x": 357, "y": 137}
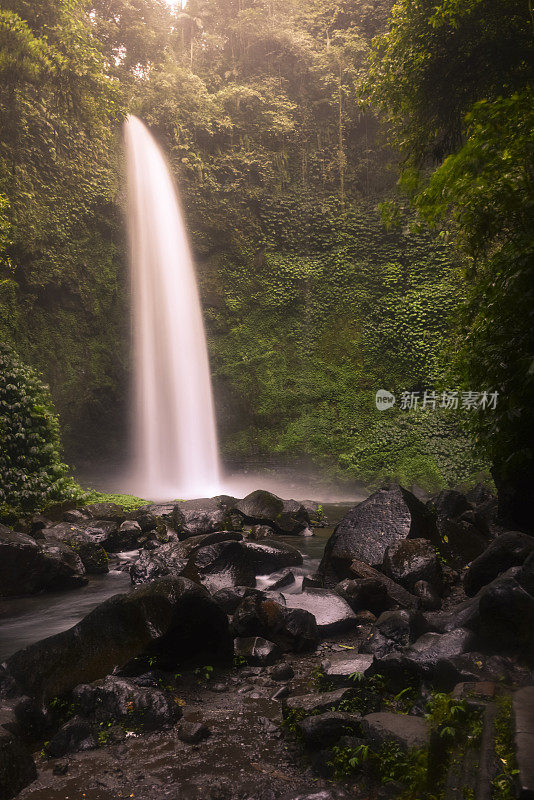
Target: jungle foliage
{"x": 311, "y": 303}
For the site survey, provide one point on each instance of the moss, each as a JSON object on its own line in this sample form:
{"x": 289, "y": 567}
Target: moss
{"x": 127, "y": 501}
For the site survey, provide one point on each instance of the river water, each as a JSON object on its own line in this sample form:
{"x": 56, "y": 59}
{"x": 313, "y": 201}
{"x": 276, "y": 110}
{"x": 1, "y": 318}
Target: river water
{"x": 24, "y": 620}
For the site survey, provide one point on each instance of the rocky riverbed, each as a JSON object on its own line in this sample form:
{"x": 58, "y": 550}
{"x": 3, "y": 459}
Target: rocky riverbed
{"x": 238, "y": 666}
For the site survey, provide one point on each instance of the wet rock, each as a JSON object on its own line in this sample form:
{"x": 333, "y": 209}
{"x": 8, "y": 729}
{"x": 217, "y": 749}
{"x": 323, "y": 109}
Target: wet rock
{"x": 93, "y": 556}
{"x": 282, "y": 672}
{"x": 459, "y": 540}
{"x": 286, "y": 516}
{"x": 102, "y": 531}
{"x": 311, "y": 582}
{"x": 77, "y": 734}
{"x": 172, "y": 558}
{"x": 256, "y": 651}
{"x": 324, "y": 730}
{"x": 510, "y": 549}
{"x": 17, "y": 768}
{"x": 332, "y": 614}
{"x": 127, "y": 537}
{"x": 293, "y": 629}
{"x": 106, "y": 511}
{"x": 318, "y": 702}
{"x": 258, "y": 532}
{"x": 145, "y": 519}
{"x": 173, "y": 619}
{"x": 222, "y": 564}
{"x": 396, "y": 594}
{"x": 429, "y": 598}
{"x": 27, "y": 566}
{"x": 281, "y": 693}
{"x": 422, "y": 657}
{"x": 270, "y": 556}
{"x": 123, "y": 700}
{"x": 286, "y": 579}
{"x": 411, "y": 560}
{"x": 388, "y": 516}
{"x": 394, "y": 630}
{"x": 364, "y": 594}
{"x": 207, "y": 515}
{"x": 449, "y": 503}
{"x": 365, "y": 618}
{"x": 343, "y": 669}
{"x": 506, "y": 615}
{"x": 230, "y": 598}
{"x": 192, "y": 732}
{"x": 403, "y": 729}
{"x": 167, "y": 560}
{"x": 76, "y": 515}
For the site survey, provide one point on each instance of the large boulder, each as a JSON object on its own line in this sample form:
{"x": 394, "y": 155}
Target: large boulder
{"x": 396, "y": 594}
{"x": 257, "y": 652}
{"x": 364, "y": 594}
{"x": 269, "y": 556}
{"x": 120, "y": 700}
{"x": 28, "y": 566}
{"x": 509, "y": 549}
{"x": 317, "y": 703}
{"x": 393, "y": 630}
{"x": 420, "y": 660}
{"x": 332, "y": 613}
{"x": 222, "y": 565}
{"x": 461, "y": 534}
{"x": 324, "y": 730}
{"x": 286, "y": 516}
{"x": 388, "y": 516}
{"x": 106, "y": 511}
{"x": 293, "y": 629}
{"x": 401, "y": 729}
{"x": 94, "y": 558}
{"x": 173, "y": 619}
{"x": 17, "y": 768}
{"x": 195, "y": 517}
{"x": 172, "y": 558}
{"x": 411, "y": 560}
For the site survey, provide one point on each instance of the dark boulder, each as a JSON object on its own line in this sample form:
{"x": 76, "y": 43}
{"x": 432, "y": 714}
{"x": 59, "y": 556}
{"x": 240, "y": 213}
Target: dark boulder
{"x": 145, "y": 519}
{"x": 172, "y": 558}
{"x": 230, "y": 597}
{"x": 195, "y": 517}
{"x": 102, "y": 531}
{"x": 127, "y": 537}
{"x": 75, "y": 515}
{"x": 93, "y": 556}
{"x": 257, "y": 652}
{"x": 286, "y": 516}
{"x": 332, "y": 613}
{"x": 344, "y": 669}
{"x": 106, "y": 511}
{"x": 397, "y": 594}
{"x": 509, "y": 549}
{"x": 506, "y": 616}
{"x": 122, "y": 700}
{"x": 429, "y": 599}
{"x": 287, "y": 578}
{"x": 221, "y": 565}
{"x": 293, "y": 629}
{"x": 388, "y": 516}
{"x": 282, "y": 672}
{"x": 422, "y": 657}
{"x": 17, "y": 768}
{"x": 269, "y": 556}
{"x": 173, "y": 619}
{"x": 28, "y": 566}
{"x": 402, "y": 729}
{"x": 459, "y": 541}
{"x": 78, "y": 734}
{"x": 411, "y": 560}
{"x": 393, "y": 630}
{"x": 324, "y": 730}
{"x": 318, "y": 702}
{"x": 449, "y": 503}
{"x": 364, "y": 594}
{"x": 192, "y": 732}
{"x": 257, "y": 532}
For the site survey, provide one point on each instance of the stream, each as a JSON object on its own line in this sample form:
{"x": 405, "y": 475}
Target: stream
{"x": 24, "y": 620}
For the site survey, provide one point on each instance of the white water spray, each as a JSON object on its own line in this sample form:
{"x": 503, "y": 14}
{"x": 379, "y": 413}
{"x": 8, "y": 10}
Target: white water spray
{"x": 175, "y": 438}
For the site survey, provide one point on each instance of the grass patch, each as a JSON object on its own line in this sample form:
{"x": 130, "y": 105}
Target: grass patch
{"x": 128, "y": 502}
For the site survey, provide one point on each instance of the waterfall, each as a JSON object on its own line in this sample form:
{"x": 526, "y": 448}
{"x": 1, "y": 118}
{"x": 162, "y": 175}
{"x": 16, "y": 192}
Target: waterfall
{"x": 174, "y": 433}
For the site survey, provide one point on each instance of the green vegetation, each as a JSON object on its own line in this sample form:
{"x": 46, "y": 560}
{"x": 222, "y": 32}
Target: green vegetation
{"x": 311, "y": 303}
{"x": 504, "y": 783}
{"x": 33, "y": 474}
{"x": 127, "y": 501}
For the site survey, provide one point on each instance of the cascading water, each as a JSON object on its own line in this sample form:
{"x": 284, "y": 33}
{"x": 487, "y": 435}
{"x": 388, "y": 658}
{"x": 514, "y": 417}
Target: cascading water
{"x": 175, "y": 438}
